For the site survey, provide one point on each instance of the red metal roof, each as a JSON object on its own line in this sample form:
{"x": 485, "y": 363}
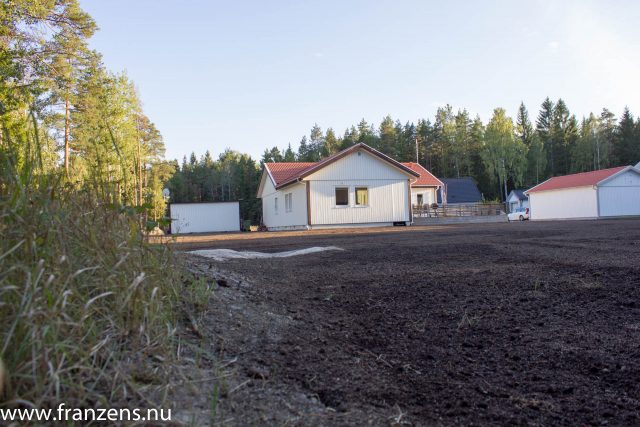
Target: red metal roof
{"x": 284, "y": 171}
{"x": 426, "y": 179}
{"x": 575, "y": 180}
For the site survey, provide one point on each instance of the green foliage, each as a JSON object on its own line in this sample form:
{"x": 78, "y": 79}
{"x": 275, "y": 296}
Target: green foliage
{"x": 454, "y": 145}
{"x": 504, "y": 155}
{"x": 627, "y": 146}
{"x": 84, "y": 299}
{"x": 232, "y": 177}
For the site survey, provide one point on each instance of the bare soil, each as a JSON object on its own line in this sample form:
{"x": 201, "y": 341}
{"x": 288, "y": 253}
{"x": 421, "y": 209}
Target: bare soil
{"x": 483, "y": 324}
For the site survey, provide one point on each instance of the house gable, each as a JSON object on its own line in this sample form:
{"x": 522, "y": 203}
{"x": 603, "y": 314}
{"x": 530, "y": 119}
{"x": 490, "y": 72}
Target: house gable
{"x": 359, "y": 165}
{"x": 629, "y": 177}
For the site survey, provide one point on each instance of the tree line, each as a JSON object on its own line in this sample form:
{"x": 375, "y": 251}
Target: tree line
{"x": 500, "y": 155}
{"x": 232, "y": 177}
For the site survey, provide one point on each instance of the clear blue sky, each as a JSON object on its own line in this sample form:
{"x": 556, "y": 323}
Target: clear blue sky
{"x": 251, "y": 75}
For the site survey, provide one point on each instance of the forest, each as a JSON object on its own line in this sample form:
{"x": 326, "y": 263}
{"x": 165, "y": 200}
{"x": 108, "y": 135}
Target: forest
{"x": 501, "y": 155}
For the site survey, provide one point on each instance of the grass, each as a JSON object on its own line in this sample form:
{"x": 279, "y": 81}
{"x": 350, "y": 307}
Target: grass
{"x": 88, "y": 309}
{"x": 469, "y": 320}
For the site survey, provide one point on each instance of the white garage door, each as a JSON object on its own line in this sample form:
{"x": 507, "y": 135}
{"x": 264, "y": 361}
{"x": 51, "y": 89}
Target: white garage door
{"x": 620, "y": 196}
{"x": 204, "y": 217}
{"x": 619, "y": 201}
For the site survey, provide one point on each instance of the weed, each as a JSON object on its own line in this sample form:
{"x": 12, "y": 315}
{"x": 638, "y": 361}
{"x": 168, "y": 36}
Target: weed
{"x": 469, "y": 320}
{"x": 84, "y": 300}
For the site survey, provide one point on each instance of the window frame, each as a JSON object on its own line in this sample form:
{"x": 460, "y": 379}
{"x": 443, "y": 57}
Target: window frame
{"x": 335, "y": 196}
{"x": 288, "y": 202}
{"x": 355, "y": 194}
{"x": 276, "y": 204}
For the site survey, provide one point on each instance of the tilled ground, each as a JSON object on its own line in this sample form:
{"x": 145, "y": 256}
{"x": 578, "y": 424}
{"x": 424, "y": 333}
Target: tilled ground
{"x": 522, "y": 323}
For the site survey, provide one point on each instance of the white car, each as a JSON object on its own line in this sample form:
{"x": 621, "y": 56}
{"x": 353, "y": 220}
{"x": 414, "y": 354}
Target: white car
{"x": 520, "y": 214}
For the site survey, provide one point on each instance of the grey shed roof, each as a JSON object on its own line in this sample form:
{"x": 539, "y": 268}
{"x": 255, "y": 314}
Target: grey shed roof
{"x": 519, "y": 194}
{"x": 461, "y": 190}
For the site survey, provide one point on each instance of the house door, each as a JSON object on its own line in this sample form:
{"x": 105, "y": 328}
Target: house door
{"x": 420, "y": 200}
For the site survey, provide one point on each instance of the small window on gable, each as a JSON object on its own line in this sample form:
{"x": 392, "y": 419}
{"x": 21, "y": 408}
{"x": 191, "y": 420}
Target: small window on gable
{"x": 362, "y": 196}
{"x": 288, "y": 202}
{"x": 275, "y": 206}
{"x": 342, "y": 196}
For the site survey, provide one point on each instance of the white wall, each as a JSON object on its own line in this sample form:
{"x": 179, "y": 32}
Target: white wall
{"x": 620, "y": 196}
{"x": 204, "y": 217}
{"x": 579, "y": 202}
{"x": 388, "y": 191}
{"x": 428, "y": 195}
{"x": 515, "y": 203}
{"x": 388, "y": 202}
{"x": 297, "y": 218}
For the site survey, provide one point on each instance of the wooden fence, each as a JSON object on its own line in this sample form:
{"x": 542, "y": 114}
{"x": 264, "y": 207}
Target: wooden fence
{"x": 472, "y": 209}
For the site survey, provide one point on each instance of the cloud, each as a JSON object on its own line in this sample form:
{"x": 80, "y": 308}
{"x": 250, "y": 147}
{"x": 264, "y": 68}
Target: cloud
{"x": 318, "y": 54}
{"x": 553, "y": 45}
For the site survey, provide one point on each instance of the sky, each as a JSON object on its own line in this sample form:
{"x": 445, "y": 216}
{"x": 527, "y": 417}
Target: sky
{"x": 250, "y": 75}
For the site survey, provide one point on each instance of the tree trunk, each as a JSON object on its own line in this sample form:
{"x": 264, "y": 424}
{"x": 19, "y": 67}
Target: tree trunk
{"x": 66, "y": 133}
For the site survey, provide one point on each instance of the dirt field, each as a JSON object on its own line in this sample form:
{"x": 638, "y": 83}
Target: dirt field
{"x": 521, "y": 323}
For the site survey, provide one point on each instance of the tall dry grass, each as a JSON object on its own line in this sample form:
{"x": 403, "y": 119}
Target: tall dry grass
{"x": 88, "y": 309}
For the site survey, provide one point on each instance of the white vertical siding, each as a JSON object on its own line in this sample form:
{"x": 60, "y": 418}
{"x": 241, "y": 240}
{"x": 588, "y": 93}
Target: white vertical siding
{"x": 428, "y": 195}
{"x": 579, "y": 202}
{"x": 204, "y": 217}
{"x": 388, "y": 191}
{"x": 620, "y": 196}
{"x": 297, "y": 218}
{"x": 388, "y": 202}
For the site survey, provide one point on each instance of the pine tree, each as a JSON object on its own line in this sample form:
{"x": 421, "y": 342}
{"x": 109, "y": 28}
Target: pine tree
{"x": 289, "y": 155}
{"x": 461, "y": 149}
{"x": 304, "y": 151}
{"x": 350, "y": 138}
{"x": 583, "y": 158}
{"x": 316, "y": 143}
{"x": 272, "y": 155}
{"x": 544, "y": 125}
{"x": 605, "y": 140}
{"x": 524, "y": 128}
{"x": 407, "y": 150}
{"x": 366, "y": 134}
{"x": 387, "y": 134}
{"x": 331, "y": 143}
{"x": 626, "y": 141}
{"x": 424, "y": 133}
{"x": 564, "y": 132}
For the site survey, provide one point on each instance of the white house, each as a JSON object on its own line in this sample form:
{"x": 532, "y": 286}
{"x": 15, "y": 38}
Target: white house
{"x": 517, "y": 199}
{"x": 599, "y": 194}
{"x": 204, "y": 217}
{"x": 424, "y": 189}
{"x": 359, "y": 186}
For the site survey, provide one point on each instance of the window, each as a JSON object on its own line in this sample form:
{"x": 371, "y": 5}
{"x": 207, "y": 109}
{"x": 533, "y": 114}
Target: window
{"x": 342, "y": 196}
{"x": 362, "y": 196}
{"x": 276, "y": 205}
{"x": 288, "y": 205}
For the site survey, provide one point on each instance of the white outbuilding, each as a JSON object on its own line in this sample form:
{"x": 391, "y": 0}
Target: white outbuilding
{"x": 204, "y": 217}
{"x": 603, "y": 193}
{"x": 359, "y": 186}
{"x": 517, "y": 199}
